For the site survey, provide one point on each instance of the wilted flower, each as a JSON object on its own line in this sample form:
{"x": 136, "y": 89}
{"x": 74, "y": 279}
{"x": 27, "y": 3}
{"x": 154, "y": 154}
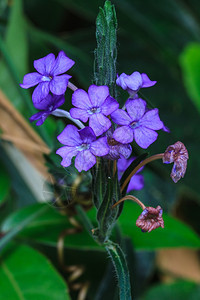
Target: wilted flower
{"x": 178, "y": 154}
{"x": 150, "y": 219}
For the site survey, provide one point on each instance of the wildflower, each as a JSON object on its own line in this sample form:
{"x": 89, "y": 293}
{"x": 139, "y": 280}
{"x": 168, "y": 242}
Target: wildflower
{"x": 95, "y": 105}
{"x": 82, "y": 144}
{"x": 150, "y": 219}
{"x": 47, "y": 106}
{"x": 132, "y": 83}
{"x": 48, "y": 76}
{"x": 178, "y": 154}
{"x": 137, "y": 123}
{"x": 137, "y": 181}
{"x": 117, "y": 149}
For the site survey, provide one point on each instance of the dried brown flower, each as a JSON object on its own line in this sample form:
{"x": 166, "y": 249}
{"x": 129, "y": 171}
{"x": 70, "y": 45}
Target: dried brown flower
{"x": 178, "y": 154}
{"x": 150, "y": 219}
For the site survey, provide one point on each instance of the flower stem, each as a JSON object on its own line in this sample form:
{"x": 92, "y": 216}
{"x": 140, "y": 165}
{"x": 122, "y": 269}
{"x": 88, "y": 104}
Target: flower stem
{"x": 63, "y": 113}
{"x": 72, "y": 86}
{"x": 143, "y": 163}
{"x": 130, "y": 197}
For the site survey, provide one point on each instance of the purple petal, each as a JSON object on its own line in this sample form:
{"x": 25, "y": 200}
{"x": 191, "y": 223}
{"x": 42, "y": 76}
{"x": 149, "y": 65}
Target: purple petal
{"x": 67, "y": 153}
{"x": 109, "y": 106}
{"x": 136, "y": 109}
{"x": 146, "y": 82}
{"x": 123, "y": 134}
{"x": 41, "y": 116}
{"x": 44, "y": 104}
{"x": 58, "y": 101}
{"x": 30, "y": 80}
{"x": 144, "y": 136}
{"x": 151, "y": 120}
{"x": 85, "y": 160}
{"x": 125, "y": 150}
{"x": 121, "y": 117}
{"x": 36, "y": 116}
{"x": 87, "y": 135}
{"x": 80, "y": 99}
{"x": 40, "y": 92}
{"x": 123, "y": 163}
{"x": 44, "y": 65}
{"x": 99, "y": 123}
{"x": 62, "y": 64}
{"x": 80, "y": 114}
{"x": 98, "y": 94}
{"x": 70, "y": 136}
{"x": 100, "y": 147}
{"x": 121, "y": 81}
{"x": 58, "y": 84}
{"x": 136, "y": 183}
{"x": 134, "y": 81}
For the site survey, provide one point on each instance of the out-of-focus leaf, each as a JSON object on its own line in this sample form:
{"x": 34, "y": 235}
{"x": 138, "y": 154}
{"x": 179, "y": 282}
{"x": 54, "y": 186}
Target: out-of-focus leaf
{"x": 4, "y": 184}
{"x": 26, "y": 274}
{"x": 175, "y": 233}
{"x": 48, "y": 227}
{"x": 182, "y": 290}
{"x": 190, "y": 64}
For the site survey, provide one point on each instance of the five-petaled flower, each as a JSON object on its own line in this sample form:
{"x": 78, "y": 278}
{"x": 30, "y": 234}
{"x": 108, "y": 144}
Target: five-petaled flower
{"x": 137, "y": 181}
{"x": 137, "y": 123}
{"x": 178, "y": 154}
{"x": 150, "y": 219}
{"x": 132, "y": 83}
{"x": 48, "y": 76}
{"x": 47, "y": 107}
{"x": 82, "y": 144}
{"x": 95, "y": 105}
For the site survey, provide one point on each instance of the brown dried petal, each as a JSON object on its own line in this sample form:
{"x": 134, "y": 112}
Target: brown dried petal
{"x": 178, "y": 154}
{"x": 150, "y": 219}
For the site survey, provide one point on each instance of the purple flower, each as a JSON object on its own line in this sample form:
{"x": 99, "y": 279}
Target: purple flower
{"x": 116, "y": 149}
{"x": 137, "y": 123}
{"x": 132, "y": 83}
{"x": 178, "y": 154}
{"x": 95, "y": 105}
{"x": 82, "y": 144}
{"x": 150, "y": 219}
{"x": 137, "y": 181}
{"x": 47, "y": 106}
{"x": 48, "y": 76}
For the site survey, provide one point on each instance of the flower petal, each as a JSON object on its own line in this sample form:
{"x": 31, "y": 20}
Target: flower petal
{"x": 99, "y": 123}
{"x": 67, "y": 153}
{"x": 62, "y": 64}
{"x": 134, "y": 81}
{"x": 123, "y": 134}
{"x": 78, "y": 113}
{"x": 85, "y": 160}
{"x": 136, "y": 109}
{"x": 100, "y": 147}
{"x": 125, "y": 150}
{"x": 146, "y": 82}
{"x": 57, "y": 101}
{"x": 121, "y": 81}
{"x": 98, "y": 94}
{"x": 58, "y": 84}
{"x": 45, "y": 64}
{"x": 70, "y": 136}
{"x": 109, "y": 106}
{"x": 30, "y": 80}
{"x": 40, "y": 92}
{"x": 44, "y": 103}
{"x": 87, "y": 135}
{"x": 151, "y": 120}
{"x": 136, "y": 183}
{"x": 121, "y": 117}
{"x": 41, "y": 116}
{"x": 144, "y": 137}
{"x": 80, "y": 99}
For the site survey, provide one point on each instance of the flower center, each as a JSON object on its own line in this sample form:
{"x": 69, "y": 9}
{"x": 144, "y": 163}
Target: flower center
{"x": 47, "y": 78}
{"x": 82, "y": 147}
{"x": 94, "y": 110}
{"x": 112, "y": 142}
{"x": 134, "y": 124}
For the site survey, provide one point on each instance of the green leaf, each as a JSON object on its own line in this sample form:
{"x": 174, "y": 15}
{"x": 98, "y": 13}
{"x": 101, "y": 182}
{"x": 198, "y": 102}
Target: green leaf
{"x": 190, "y": 64}
{"x": 175, "y": 233}
{"x": 25, "y": 274}
{"x": 4, "y": 184}
{"x": 47, "y": 228}
{"x": 182, "y": 290}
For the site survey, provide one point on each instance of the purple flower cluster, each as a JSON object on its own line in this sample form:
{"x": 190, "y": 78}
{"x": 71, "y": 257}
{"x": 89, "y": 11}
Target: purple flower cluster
{"x": 109, "y": 130}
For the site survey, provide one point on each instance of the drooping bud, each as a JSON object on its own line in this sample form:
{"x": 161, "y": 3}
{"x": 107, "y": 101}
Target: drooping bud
{"x": 178, "y": 154}
{"x": 150, "y": 219}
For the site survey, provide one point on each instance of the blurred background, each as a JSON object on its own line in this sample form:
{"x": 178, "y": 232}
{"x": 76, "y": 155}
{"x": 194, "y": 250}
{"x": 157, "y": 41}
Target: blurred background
{"x": 160, "y": 38}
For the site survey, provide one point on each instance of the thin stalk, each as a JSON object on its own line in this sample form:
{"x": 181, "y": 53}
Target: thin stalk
{"x": 130, "y": 197}
{"x": 72, "y": 86}
{"x": 63, "y": 113}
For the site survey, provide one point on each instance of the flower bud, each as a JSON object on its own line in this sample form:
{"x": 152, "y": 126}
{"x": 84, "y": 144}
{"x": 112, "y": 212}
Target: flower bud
{"x": 150, "y": 219}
